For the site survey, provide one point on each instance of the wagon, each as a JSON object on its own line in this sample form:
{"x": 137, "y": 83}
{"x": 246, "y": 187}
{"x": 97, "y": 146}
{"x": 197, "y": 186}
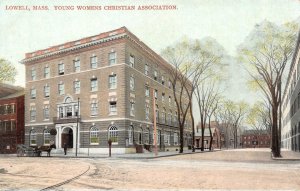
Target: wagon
{"x": 23, "y": 150}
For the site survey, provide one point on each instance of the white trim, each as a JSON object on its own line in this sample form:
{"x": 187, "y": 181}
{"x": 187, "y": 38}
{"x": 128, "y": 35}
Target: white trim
{"x": 109, "y": 119}
{"x": 92, "y": 120}
{"x": 76, "y": 73}
{"x": 103, "y": 40}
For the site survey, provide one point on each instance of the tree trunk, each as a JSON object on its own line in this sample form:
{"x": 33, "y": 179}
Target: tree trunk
{"x": 275, "y": 146}
{"x": 193, "y": 128}
{"x": 202, "y": 136}
{"x": 181, "y": 138}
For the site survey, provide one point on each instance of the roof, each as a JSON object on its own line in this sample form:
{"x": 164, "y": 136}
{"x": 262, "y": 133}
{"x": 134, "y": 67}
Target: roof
{"x": 254, "y": 132}
{"x": 8, "y": 90}
{"x": 116, "y": 34}
{"x": 206, "y": 132}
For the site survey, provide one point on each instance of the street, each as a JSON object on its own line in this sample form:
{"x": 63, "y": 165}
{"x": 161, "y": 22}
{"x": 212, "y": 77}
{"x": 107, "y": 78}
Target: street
{"x": 232, "y": 169}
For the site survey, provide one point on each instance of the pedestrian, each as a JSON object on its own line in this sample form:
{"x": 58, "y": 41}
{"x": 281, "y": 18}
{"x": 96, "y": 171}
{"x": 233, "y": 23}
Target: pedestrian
{"x": 65, "y": 148}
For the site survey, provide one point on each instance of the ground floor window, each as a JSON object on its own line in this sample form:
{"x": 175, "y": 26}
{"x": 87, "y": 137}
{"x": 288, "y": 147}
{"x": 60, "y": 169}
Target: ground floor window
{"x": 32, "y": 137}
{"x": 46, "y": 137}
{"x": 94, "y": 135}
{"x": 113, "y": 134}
{"x": 175, "y": 138}
{"x": 130, "y": 135}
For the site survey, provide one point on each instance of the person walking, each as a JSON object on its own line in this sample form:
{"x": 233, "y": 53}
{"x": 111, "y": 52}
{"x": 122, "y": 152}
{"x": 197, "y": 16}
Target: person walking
{"x": 65, "y": 148}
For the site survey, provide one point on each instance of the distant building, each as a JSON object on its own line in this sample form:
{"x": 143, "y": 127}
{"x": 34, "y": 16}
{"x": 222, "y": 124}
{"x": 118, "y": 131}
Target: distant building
{"x": 105, "y": 82}
{"x": 11, "y": 118}
{"x": 255, "y": 139}
{"x": 290, "y": 131}
{"x": 218, "y": 138}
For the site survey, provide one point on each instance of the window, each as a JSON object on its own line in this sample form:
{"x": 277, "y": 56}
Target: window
{"x": 169, "y": 84}
{"x": 132, "y": 111}
{"x": 147, "y": 111}
{"x": 112, "y": 81}
{"x": 131, "y": 61}
{"x": 13, "y": 125}
{"x": 158, "y": 133}
{"x": 130, "y": 135}
{"x": 46, "y": 90}
{"x": 113, "y": 134}
{"x": 76, "y": 64}
{"x": 32, "y": 93}
{"x": 61, "y": 112}
{"x": 7, "y": 126}
{"x": 8, "y": 108}
{"x": 155, "y": 75}
{"x": 155, "y": 94}
{"x": 175, "y": 138}
{"x": 163, "y": 97}
{"x": 33, "y": 74}
{"x": 94, "y": 84}
{"x": 94, "y": 135}
{"x": 147, "y": 136}
{"x": 46, "y": 137}
{"x": 162, "y": 80}
{"x": 146, "y": 69}
{"x": 13, "y": 108}
{"x": 157, "y": 114}
{"x": 167, "y": 138}
{"x": 163, "y": 116}
{"x": 46, "y": 112}
{"x": 112, "y": 108}
{"x": 94, "y": 61}
{"x": 175, "y": 119}
{"x": 170, "y": 118}
{"x": 46, "y": 72}
{"x": 32, "y": 137}
{"x": 94, "y": 107}
{"x": 77, "y": 87}
{"x": 69, "y": 111}
{"x": 61, "y": 88}
{"x": 131, "y": 83}
{"x": 112, "y": 58}
{"x": 147, "y": 91}
{"x": 170, "y": 100}
{"x": 32, "y": 113}
{"x": 61, "y": 68}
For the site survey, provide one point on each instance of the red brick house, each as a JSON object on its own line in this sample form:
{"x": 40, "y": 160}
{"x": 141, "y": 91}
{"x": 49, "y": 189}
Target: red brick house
{"x": 255, "y": 139}
{"x": 11, "y": 118}
{"x": 218, "y": 139}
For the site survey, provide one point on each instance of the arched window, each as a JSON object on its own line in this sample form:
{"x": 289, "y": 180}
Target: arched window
{"x": 68, "y": 100}
{"x": 113, "y": 134}
{"x": 139, "y": 138}
{"x": 94, "y": 135}
{"x": 32, "y": 137}
{"x": 147, "y": 136}
{"x": 130, "y": 135}
{"x": 46, "y": 137}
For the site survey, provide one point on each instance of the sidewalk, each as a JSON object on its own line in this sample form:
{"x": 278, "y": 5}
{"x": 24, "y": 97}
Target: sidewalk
{"x": 289, "y": 155}
{"x": 148, "y": 155}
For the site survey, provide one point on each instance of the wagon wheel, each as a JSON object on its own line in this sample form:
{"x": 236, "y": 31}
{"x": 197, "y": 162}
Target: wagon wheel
{"x": 20, "y": 152}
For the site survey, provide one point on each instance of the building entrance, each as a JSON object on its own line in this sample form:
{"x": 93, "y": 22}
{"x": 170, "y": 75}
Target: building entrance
{"x": 67, "y": 137}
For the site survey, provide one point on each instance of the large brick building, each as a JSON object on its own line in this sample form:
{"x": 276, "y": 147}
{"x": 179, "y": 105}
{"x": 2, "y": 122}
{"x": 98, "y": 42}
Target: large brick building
{"x": 104, "y": 82}
{"x": 11, "y": 118}
{"x": 255, "y": 139}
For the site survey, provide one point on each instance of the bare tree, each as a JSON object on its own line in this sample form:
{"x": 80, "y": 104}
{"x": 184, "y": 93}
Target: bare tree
{"x": 267, "y": 51}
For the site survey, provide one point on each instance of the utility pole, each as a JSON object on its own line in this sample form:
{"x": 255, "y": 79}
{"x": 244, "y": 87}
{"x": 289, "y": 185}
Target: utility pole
{"x": 77, "y": 127}
{"x": 154, "y": 122}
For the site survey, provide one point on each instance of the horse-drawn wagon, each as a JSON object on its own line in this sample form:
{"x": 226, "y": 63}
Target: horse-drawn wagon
{"x": 31, "y": 151}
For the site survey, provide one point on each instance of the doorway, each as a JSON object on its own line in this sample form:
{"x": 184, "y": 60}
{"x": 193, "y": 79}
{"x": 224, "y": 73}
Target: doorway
{"x": 67, "y": 137}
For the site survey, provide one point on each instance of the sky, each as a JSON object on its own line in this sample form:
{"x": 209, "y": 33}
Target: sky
{"x": 227, "y": 21}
